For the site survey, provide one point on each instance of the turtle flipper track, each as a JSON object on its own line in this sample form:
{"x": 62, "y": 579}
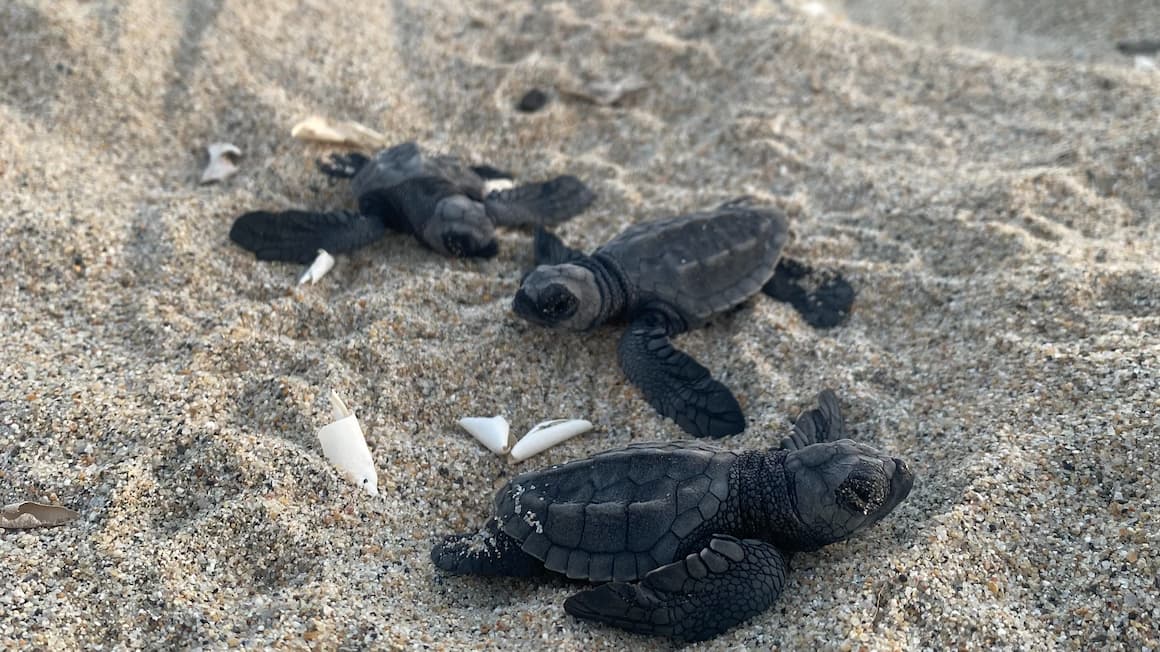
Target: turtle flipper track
{"x": 343, "y": 166}
{"x": 487, "y": 552}
{"x": 823, "y": 298}
{"x": 821, "y": 424}
{"x": 550, "y": 202}
{"x": 692, "y": 599}
{"x": 678, "y": 386}
{"x": 549, "y": 249}
{"x": 296, "y": 236}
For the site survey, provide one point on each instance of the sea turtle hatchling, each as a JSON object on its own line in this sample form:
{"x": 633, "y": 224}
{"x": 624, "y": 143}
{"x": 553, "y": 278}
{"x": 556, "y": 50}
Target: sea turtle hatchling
{"x": 445, "y": 203}
{"x": 668, "y": 276}
{"x": 687, "y": 539}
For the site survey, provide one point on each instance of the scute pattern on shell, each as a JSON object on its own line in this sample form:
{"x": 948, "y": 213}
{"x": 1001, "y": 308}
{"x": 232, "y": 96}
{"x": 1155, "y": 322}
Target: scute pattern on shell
{"x": 394, "y": 165}
{"x": 703, "y": 263}
{"x": 616, "y": 515}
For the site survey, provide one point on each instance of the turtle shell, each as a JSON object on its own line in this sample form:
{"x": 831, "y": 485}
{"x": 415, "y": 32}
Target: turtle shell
{"x": 394, "y": 165}
{"x": 619, "y": 514}
{"x": 702, "y": 263}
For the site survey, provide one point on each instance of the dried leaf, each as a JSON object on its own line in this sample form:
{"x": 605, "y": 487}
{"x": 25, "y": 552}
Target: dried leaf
{"x": 222, "y": 162}
{"x": 352, "y": 134}
{"x": 19, "y": 516}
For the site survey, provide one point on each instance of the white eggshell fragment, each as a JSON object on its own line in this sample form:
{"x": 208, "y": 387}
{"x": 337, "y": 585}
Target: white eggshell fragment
{"x": 345, "y": 446}
{"x": 492, "y": 432}
{"x": 496, "y": 185}
{"x": 321, "y": 130}
{"x": 546, "y": 435}
{"x": 321, "y": 265}
{"x": 221, "y": 166}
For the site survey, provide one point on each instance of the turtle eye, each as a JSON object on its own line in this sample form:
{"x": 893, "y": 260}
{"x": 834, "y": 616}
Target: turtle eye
{"x": 557, "y": 302}
{"x": 862, "y": 492}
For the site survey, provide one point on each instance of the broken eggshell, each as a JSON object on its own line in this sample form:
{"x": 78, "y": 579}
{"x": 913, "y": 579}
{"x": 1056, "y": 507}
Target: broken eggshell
{"x": 492, "y": 432}
{"x": 546, "y": 435}
{"x": 19, "y": 516}
{"x": 320, "y": 130}
{"x": 345, "y": 446}
{"x": 222, "y": 162}
{"x": 321, "y": 265}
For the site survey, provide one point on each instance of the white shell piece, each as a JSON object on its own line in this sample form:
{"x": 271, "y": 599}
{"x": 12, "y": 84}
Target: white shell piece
{"x": 1144, "y": 63}
{"x": 546, "y": 435}
{"x": 492, "y": 432}
{"x": 493, "y": 185}
{"x": 321, "y": 265}
{"x": 345, "y": 446}
{"x": 319, "y": 129}
{"x": 221, "y": 162}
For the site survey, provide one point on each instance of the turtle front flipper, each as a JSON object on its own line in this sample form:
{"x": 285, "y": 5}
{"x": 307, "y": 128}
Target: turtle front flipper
{"x": 549, "y": 249}
{"x": 487, "y": 552}
{"x": 694, "y": 599}
{"x": 678, "y": 386}
{"x": 296, "y": 236}
{"x": 823, "y": 298}
{"x": 550, "y": 202}
{"x": 821, "y": 424}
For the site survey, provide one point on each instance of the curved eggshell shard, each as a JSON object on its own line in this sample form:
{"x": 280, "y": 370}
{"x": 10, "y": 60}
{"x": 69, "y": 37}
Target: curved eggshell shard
{"x": 546, "y": 435}
{"x": 492, "y": 432}
{"x": 345, "y": 446}
{"x": 496, "y": 185}
{"x": 321, "y": 265}
{"x": 221, "y": 166}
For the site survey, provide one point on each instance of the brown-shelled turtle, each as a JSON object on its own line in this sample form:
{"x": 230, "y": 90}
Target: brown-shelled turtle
{"x": 444, "y": 202}
{"x": 687, "y": 539}
{"x": 668, "y": 276}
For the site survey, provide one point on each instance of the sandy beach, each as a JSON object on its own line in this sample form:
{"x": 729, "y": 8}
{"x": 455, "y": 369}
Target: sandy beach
{"x": 992, "y": 195}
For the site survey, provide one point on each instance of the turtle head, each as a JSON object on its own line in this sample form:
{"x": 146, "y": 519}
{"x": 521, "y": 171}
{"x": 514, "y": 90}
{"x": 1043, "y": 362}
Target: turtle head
{"x": 460, "y": 227}
{"x": 838, "y": 488}
{"x": 559, "y": 296}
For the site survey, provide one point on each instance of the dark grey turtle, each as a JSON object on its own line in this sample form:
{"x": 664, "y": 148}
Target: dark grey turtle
{"x": 688, "y": 539}
{"x": 442, "y": 201}
{"x": 669, "y": 276}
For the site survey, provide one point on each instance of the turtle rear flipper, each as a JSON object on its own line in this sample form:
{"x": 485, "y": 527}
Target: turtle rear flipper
{"x": 488, "y": 552}
{"x": 342, "y": 166}
{"x": 675, "y": 384}
{"x": 695, "y": 598}
{"x": 821, "y": 424}
{"x": 549, "y": 202}
{"x": 296, "y": 236}
{"x": 822, "y": 298}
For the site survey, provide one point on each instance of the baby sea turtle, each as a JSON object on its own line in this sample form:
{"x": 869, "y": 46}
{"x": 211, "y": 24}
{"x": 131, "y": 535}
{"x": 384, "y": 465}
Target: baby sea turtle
{"x": 688, "y": 539}
{"x": 447, "y": 205}
{"x": 669, "y": 276}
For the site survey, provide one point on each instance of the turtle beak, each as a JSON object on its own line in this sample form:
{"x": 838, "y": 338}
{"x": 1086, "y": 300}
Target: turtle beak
{"x": 525, "y": 307}
{"x": 901, "y": 481}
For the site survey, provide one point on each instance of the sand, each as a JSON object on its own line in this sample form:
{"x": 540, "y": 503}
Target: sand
{"x": 996, "y": 212}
